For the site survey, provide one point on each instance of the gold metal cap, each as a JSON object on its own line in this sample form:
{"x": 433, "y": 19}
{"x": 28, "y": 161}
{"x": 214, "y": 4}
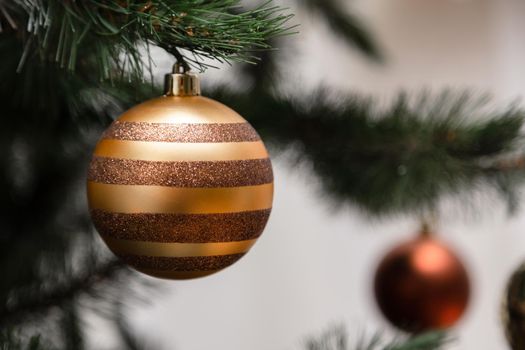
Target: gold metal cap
{"x": 182, "y": 82}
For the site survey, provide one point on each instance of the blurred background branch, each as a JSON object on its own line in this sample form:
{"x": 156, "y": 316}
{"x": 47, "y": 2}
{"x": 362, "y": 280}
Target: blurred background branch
{"x": 89, "y": 282}
{"x": 336, "y": 338}
{"x": 402, "y": 158}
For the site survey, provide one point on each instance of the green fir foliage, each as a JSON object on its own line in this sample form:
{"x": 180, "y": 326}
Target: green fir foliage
{"x": 402, "y": 158}
{"x": 9, "y": 340}
{"x": 336, "y": 338}
{"x": 114, "y": 32}
{"x": 345, "y": 25}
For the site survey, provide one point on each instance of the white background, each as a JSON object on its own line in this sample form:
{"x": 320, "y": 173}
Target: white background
{"x": 313, "y": 266}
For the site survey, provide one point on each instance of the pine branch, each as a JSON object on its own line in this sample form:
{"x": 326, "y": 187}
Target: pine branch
{"x": 346, "y": 25}
{"x": 336, "y": 338}
{"x": 11, "y": 341}
{"x": 114, "y": 31}
{"x": 427, "y": 341}
{"x": 131, "y": 339}
{"x": 73, "y": 337}
{"x": 50, "y": 121}
{"x": 403, "y": 158}
{"x": 61, "y": 295}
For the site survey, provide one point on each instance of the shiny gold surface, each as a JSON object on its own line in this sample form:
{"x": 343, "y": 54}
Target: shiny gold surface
{"x": 127, "y": 247}
{"x": 174, "y": 109}
{"x": 171, "y": 151}
{"x": 182, "y": 84}
{"x": 159, "y": 199}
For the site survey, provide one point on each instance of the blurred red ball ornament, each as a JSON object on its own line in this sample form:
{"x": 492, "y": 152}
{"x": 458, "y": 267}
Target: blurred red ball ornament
{"x": 422, "y": 285}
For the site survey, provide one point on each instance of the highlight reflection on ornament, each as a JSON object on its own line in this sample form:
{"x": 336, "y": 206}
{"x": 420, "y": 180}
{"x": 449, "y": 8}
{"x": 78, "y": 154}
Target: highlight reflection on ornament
{"x": 180, "y": 186}
{"x": 422, "y": 285}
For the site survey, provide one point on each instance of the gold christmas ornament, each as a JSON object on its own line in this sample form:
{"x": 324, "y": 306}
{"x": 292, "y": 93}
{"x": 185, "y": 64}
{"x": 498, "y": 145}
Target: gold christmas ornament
{"x": 180, "y": 186}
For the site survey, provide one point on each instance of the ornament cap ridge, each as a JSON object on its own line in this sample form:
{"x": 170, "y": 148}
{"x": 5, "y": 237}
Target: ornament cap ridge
{"x": 182, "y": 82}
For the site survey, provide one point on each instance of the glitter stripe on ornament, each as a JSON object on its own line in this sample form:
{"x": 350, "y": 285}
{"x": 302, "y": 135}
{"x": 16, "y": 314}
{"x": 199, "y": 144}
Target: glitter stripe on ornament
{"x": 193, "y": 133}
{"x": 194, "y": 263}
{"x": 169, "y": 151}
{"x": 181, "y": 174}
{"x": 177, "y": 275}
{"x": 164, "y": 200}
{"x": 183, "y": 110}
{"x": 176, "y": 250}
{"x": 182, "y": 228}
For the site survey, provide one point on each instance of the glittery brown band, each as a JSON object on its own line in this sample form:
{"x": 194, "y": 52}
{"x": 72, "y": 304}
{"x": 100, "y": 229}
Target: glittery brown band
{"x": 176, "y": 275}
{"x": 176, "y": 250}
{"x": 182, "y": 228}
{"x": 233, "y": 173}
{"x": 194, "y": 263}
{"x": 236, "y": 132}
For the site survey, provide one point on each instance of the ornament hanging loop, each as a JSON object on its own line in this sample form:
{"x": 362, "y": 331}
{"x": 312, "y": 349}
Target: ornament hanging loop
{"x": 429, "y": 222}
{"x": 181, "y": 82}
{"x": 180, "y": 68}
{"x": 425, "y": 230}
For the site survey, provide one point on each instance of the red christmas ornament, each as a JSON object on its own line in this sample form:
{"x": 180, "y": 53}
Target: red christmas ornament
{"x": 422, "y": 285}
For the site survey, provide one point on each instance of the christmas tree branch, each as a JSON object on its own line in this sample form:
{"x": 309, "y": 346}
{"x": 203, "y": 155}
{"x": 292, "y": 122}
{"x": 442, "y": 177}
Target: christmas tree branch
{"x": 113, "y": 31}
{"x": 336, "y": 338}
{"x": 61, "y": 295}
{"x": 344, "y": 24}
{"x": 11, "y": 341}
{"x": 402, "y": 158}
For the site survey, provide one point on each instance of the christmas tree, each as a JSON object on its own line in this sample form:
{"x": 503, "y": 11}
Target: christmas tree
{"x": 69, "y": 68}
